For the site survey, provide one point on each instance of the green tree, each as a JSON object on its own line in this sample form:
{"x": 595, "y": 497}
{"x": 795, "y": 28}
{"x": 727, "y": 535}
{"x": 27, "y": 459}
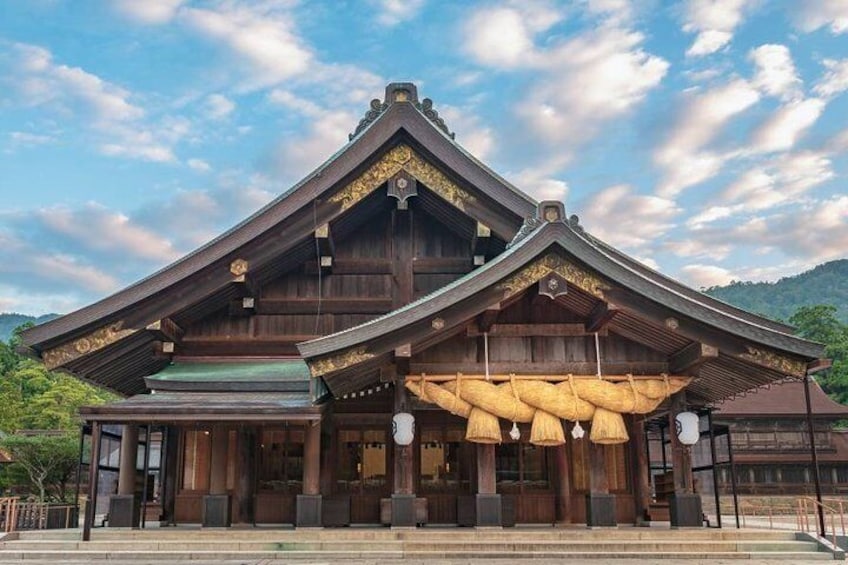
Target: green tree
{"x": 820, "y": 323}
{"x": 44, "y": 464}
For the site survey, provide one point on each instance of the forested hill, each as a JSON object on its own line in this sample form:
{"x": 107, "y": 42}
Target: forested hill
{"x": 825, "y": 284}
{"x": 8, "y": 322}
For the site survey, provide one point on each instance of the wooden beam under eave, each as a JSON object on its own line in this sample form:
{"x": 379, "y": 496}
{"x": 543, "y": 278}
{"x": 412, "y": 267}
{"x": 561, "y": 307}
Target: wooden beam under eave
{"x": 691, "y": 357}
{"x": 602, "y": 314}
{"x": 166, "y": 330}
{"x": 402, "y": 356}
{"x": 531, "y": 330}
{"x": 486, "y": 320}
{"x": 89, "y": 343}
{"x": 326, "y": 248}
{"x": 818, "y": 365}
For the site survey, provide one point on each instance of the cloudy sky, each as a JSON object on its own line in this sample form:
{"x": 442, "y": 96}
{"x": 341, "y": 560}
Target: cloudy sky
{"x": 708, "y": 138}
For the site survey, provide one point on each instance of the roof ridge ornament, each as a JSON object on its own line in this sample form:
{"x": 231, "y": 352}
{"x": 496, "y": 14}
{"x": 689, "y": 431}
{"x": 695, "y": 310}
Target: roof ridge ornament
{"x": 397, "y": 92}
{"x": 547, "y": 212}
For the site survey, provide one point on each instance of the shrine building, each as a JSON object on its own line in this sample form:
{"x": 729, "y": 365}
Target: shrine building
{"x": 405, "y": 338}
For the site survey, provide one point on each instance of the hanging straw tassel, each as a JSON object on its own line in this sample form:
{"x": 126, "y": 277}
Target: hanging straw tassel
{"x": 546, "y": 430}
{"x": 608, "y": 428}
{"x": 483, "y": 427}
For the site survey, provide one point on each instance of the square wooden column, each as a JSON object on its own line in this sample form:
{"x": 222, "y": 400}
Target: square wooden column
{"x": 488, "y": 503}
{"x": 684, "y": 505}
{"x": 309, "y": 503}
{"x": 93, "y": 481}
{"x": 170, "y": 476}
{"x": 216, "y": 504}
{"x": 600, "y": 504}
{"x": 403, "y": 491}
{"x": 640, "y": 468}
{"x": 246, "y": 469}
{"x": 562, "y": 485}
{"x": 125, "y": 506}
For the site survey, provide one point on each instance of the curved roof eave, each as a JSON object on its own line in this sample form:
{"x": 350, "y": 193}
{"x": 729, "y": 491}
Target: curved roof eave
{"x": 583, "y": 250}
{"x": 399, "y": 116}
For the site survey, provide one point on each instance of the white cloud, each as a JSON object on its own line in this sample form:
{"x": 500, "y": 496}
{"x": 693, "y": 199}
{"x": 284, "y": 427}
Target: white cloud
{"x": 714, "y": 21}
{"x": 707, "y": 216}
{"x": 697, "y": 248}
{"x": 623, "y": 218}
{"x": 149, "y": 11}
{"x": 477, "y": 138}
{"x": 27, "y": 139}
{"x": 199, "y": 165}
{"x": 775, "y": 74}
{"x": 783, "y": 130}
{"x": 835, "y": 79}
{"x": 810, "y": 15}
{"x": 301, "y": 154}
{"x": 71, "y": 271}
{"x": 683, "y": 157}
{"x": 262, "y": 36}
{"x": 95, "y": 228}
{"x": 705, "y": 276}
{"x": 218, "y": 106}
{"x": 393, "y": 12}
{"x": 539, "y": 186}
{"x": 500, "y": 37}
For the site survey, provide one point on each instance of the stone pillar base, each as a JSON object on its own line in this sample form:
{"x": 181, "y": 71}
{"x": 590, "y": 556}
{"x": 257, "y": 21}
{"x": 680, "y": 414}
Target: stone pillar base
{"x": 216, "y": 511}
{"x": 403, "y": 511}
{"x": 685, "y": 510}
{"x": 308, "y": 511}
{"x": 124, "y": 511}
{"x": 489, "y": 511}
{"x": 600, "y": 510}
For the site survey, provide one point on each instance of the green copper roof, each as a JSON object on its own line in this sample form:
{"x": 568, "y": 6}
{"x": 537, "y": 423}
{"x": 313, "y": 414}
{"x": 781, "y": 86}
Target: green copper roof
{"x": 289, "y": 375}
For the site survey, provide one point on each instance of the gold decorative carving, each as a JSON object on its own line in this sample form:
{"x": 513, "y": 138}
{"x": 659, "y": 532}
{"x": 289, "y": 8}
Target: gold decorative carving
{"x": 238, "y": 267}
{"x": 337, "y": 362}
{"x": 94, "y": 341}
{"x": 436, "y": 181}
{"x": 553, "y": 263}
{"x": 775, "y": 361}
{"x": 378, "y": 173}
{"x": 400, "y": 158}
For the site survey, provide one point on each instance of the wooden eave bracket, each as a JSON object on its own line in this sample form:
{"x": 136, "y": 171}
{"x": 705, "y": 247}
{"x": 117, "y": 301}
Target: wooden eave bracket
{"x": 691, "y": 357}
{"x": 166, "y": 330}
{"x": 818, "y": 365}
{"x": 487, "y": 319}
{"x": 402, "y": 356}
{"x": 601, "y": 315}
{"x": 480, "y": 244}
{"x": 326, "y": 248}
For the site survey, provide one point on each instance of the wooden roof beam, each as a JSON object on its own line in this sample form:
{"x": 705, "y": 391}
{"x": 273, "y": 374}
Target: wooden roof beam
{"x": 326, "y": 248}
{"x": 401, "y": 357}
{"x": 487, "y": 319}
{"x": 480, "y": 243}
{"x": 602, "y": 314}
{"x": 691, "y": 357}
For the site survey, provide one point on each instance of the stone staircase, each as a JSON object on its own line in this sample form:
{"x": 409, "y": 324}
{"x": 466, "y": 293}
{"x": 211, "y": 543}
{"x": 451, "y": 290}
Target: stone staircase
{"x": 383, "y": 544}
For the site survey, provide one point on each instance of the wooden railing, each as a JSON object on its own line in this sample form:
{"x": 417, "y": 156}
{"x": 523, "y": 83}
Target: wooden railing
{"x": 834, "y": 516}
{"x": 16, "y": 515}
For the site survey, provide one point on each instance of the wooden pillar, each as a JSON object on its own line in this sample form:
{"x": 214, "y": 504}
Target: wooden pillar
{"x": 310, "y": 502}
{"x": 684, "y": 505}
{"x": 681, "y": 458}
{"x": 93, "y": 476}
{"x": 563, "y": 485}
{"x": 488, "y": 502}
{"x": 246, "y": 484}
{"x": 403, "y": 472}
{"x": 170, "y": 476}
{"x": 640, "y": 471}
{"x": 220, "y": 442}
{"x": 125, "y": 505}
{"x": 312, "y": 459}
{"x": 486, "y": 480}
{"x": 128, "y": 461}
{"x": 600, "y": 504}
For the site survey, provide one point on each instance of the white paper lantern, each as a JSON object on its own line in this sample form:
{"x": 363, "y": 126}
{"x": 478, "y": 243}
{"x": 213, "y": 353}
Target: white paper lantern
{"x": 687, "y": 428}
{"x": 403, "y": 428}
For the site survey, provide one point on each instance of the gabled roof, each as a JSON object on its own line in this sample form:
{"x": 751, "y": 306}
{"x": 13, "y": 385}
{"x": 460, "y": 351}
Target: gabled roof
{"x": 743, "y": 346}
{"x": 561, "y": 236}
{"x": 403, "y": 119}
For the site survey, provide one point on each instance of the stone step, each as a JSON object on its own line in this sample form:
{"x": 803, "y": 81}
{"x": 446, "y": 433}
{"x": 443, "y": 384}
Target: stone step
{"x": 354, "y": 545}
{"x": 380, "y": 534}
{"x": 62, "y": 556}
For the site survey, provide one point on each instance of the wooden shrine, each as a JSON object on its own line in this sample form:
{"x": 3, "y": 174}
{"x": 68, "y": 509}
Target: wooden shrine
{"x": 405, "y": 277}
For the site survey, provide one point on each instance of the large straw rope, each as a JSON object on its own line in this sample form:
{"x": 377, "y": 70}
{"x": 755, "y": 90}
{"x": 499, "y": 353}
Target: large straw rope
{"x": 535, "y": 401}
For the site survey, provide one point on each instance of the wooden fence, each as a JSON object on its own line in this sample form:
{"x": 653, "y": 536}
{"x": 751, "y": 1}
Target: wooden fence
{"x": 16, "y": 515}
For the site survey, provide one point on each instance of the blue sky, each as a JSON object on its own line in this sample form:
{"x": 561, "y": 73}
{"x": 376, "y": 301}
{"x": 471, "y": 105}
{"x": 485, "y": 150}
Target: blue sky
{"x": 707, "y": 138}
